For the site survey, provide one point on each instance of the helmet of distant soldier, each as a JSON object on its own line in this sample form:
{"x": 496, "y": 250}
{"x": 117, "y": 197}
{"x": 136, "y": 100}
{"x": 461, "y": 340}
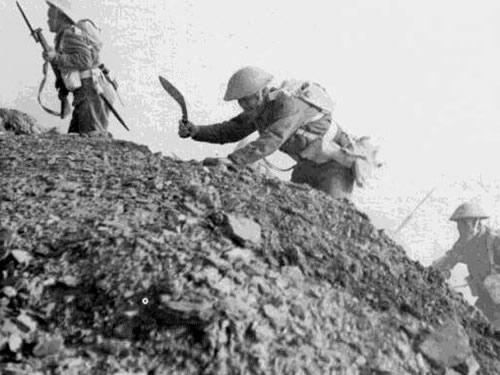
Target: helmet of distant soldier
{"x": 469, "y": 210}
{"x": 245, "y": 82}
{"x": 66, "y": 7}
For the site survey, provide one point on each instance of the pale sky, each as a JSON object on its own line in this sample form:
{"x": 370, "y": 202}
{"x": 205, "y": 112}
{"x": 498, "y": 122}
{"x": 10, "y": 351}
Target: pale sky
{"x": 421, "y": 77}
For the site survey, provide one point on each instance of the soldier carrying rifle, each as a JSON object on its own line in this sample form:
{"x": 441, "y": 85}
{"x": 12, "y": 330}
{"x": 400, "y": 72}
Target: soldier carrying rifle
{"x": 78, "y": 69}
{"x": 478, "y": 247}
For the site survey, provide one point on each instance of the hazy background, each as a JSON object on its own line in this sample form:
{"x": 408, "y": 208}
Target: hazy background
{"x": 421, "y": 77}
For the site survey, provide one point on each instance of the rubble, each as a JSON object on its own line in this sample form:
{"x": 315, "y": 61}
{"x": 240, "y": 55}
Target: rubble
{"x": 18, "y": 122}
{"x": 118, "y": 260}
{"x": 448, "y": 347}
{"x": 243, "y": 230}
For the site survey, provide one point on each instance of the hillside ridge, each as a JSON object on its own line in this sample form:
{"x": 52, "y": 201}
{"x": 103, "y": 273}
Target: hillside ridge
{"x": 120, "y": 260}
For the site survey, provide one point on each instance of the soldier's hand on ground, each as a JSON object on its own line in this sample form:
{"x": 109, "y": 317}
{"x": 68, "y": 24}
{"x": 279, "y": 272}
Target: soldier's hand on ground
{"x": 254, "y": 167}
{"x": 187, "y": 129}
{"x": 49, "y": 55}
{"x": 445, "y": 273}
{"x": 212, "y": 162}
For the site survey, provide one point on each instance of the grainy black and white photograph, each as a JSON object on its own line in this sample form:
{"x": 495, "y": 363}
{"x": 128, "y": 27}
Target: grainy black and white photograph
{"x": 265, "y": 187}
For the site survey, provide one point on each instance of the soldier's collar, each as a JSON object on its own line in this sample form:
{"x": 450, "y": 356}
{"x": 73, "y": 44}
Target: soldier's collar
{"x": 273, "y": 94}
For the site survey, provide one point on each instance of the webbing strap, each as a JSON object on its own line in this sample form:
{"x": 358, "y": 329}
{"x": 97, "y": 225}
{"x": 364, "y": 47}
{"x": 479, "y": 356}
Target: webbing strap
{"x": 272, "y": 166}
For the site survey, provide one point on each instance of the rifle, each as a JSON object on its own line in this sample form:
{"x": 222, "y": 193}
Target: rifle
{"x": 62, "y": 91}
{"x": 408, "y": 218}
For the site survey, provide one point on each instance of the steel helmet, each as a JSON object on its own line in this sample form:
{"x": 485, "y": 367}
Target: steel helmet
{"x": 246, "y": 81}
{"x": 65, "y": 7}
{"x": 469, "y": 210}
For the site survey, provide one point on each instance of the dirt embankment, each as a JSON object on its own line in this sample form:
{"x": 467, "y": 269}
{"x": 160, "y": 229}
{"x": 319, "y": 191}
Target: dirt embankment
{"x": 118, "y": 261}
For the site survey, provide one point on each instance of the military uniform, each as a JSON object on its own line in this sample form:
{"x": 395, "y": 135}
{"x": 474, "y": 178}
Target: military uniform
{"x": 474, "y": 254}
{"x": 77, "y": 48}
{"x": 291, "y": 125}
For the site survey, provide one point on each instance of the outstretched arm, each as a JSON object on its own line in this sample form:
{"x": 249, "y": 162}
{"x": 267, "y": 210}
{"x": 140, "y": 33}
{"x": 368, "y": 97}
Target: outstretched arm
{"x": 446, "y": 263}
{"x": 233, "y": 130}
{"x": 286, "y": 120}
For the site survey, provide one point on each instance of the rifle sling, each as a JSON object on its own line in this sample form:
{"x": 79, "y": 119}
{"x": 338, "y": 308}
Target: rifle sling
{"x": 40, "y": 89}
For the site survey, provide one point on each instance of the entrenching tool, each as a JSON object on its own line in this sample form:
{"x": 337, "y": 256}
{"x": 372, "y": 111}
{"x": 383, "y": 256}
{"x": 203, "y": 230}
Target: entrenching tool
{"x": 111, "y": 81}
{"x": 176, "y": 94}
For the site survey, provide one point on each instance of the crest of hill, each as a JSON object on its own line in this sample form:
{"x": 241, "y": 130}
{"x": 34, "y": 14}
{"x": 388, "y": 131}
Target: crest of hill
{"x": 136, "y": 262}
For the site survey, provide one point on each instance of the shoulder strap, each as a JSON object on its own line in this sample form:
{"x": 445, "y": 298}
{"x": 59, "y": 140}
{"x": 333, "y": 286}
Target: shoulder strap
{"x": 489, "y": 247}
{"x": 310, "y": 93}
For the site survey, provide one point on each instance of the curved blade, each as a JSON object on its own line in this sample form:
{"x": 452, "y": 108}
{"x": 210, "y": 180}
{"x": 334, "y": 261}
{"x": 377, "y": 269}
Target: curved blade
{"x": 174, "y": 93}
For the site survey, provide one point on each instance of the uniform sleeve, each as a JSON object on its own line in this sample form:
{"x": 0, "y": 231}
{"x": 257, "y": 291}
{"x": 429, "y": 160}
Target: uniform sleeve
{"x": 446, "y": 263}
{"x": 75, "y": 52}
{"x": 286, "y": 120}
{"x": 233, "y": 130}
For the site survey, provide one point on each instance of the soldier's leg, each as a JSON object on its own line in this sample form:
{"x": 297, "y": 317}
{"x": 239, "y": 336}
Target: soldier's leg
{"x": 90, "y": 116}
{"x": 335, "y": 180}
{"x": 303, "y": 173}
{"x": 331, "y": 178}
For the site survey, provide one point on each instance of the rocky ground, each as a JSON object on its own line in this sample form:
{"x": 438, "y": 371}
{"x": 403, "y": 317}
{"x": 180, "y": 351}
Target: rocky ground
{"x": 118, "y": 261}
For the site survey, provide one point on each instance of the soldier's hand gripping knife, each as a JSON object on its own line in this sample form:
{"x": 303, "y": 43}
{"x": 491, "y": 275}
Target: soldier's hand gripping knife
{"x": 187, "y": 129}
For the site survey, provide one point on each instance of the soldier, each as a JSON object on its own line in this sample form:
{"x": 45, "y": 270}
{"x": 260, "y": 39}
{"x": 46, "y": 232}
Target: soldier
{"x": 76, "y": 55}
{"x": 294, "y": 118}
{"x": 475, "y": 247}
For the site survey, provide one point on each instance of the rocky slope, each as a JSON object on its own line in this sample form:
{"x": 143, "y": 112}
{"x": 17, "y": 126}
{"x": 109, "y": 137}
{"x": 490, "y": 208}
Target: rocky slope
{"x": 118, "y": 261}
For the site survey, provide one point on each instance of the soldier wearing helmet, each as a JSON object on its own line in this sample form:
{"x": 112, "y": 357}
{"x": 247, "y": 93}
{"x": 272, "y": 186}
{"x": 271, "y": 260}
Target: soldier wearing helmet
{"x": 294, "y": 118}
{"x": 473, "y": 248}
{"x": 76, "y": 55}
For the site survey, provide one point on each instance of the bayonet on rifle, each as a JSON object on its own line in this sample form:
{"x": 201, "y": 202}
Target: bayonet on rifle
{"x": 63, "y": 92}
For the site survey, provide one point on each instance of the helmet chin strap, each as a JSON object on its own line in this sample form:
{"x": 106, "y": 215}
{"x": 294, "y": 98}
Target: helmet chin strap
{"x": 260, "y": 96}
{"x": 477, "y": 226}
{"x": 265, "y": 91}
{"x": 474, "y": 230}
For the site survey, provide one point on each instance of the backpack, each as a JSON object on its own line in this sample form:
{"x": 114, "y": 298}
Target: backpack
{"x": 309, "y": 92}
{"x": 91, "y": 33}
{"x": 356, "y": 153}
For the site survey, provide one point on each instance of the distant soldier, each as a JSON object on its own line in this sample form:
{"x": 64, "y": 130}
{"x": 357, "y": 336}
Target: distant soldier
{"x": 295, "y": 118}
{"x": 478, "y": 247}
{"x": 76, "y": 55}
